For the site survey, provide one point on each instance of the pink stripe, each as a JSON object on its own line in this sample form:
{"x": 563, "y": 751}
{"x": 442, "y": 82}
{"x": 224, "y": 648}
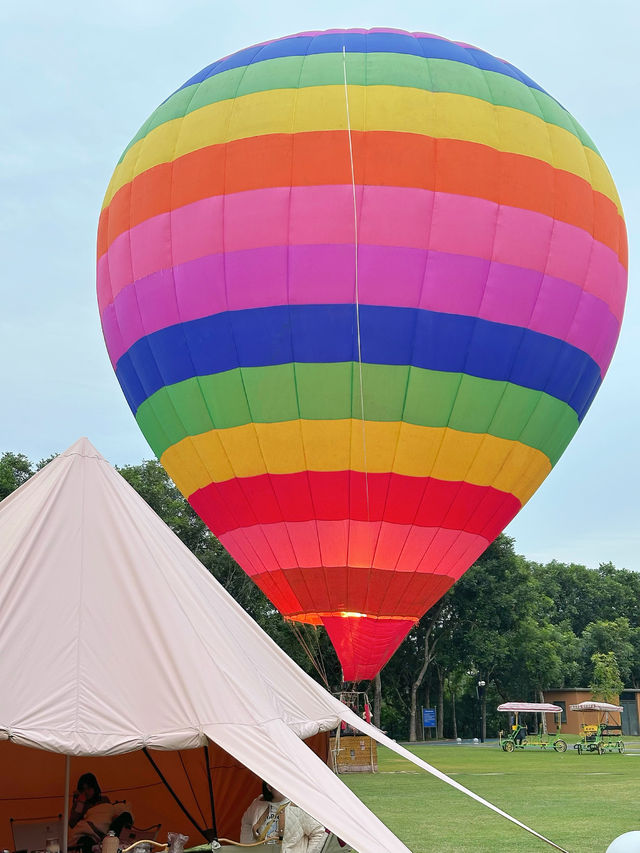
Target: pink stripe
{"x": 455, "y": 284}
{"x": 309, "y": 544}
{"x": 388, "y": 216}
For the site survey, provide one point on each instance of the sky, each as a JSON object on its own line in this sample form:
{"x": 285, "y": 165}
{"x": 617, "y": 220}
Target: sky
{"x": 80, "y": 78}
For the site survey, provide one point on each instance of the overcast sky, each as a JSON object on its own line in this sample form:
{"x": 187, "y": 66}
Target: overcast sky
{"x": 80, "y": 78}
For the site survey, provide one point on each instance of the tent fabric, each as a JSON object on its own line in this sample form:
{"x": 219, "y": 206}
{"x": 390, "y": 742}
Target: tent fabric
{"x": 537, "y": 707}
{"x": 596, "y": 706}
{"x": 32, "y": 785}
{"x": 114, "y": 638}
{"x": 367, "y": 728}
{"x": 85, "y": 551}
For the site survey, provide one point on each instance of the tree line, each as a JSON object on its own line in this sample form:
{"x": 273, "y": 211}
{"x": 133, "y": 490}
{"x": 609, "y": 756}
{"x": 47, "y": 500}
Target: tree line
{"x": 508, "y": 630}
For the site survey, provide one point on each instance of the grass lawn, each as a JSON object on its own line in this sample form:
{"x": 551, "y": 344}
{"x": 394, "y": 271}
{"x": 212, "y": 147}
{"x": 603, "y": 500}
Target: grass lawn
{"x": 580, "y": 802}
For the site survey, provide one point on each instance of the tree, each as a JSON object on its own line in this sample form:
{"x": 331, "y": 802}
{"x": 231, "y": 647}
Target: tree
{"x": 152, "y": 483}
{"x": 548, "y": 656}
{"x": 473, "y": 631}
{"x": 519, "y": 626}
{"x": 308, "y": 646}
{"x": 573, "y": 595}
{"x": 616, "y": 637}
{"x": 486, "y": 608}
{"x": 15, "y": 469}
{"x": 606, "y": 683}
{"x": 377, "y": 699}
{"x": 428, "y": 644}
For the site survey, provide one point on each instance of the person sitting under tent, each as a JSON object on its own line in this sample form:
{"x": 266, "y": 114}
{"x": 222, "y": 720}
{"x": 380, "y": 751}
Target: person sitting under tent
{"x": 273, "y": 817}
{"x": 93, "y": 815}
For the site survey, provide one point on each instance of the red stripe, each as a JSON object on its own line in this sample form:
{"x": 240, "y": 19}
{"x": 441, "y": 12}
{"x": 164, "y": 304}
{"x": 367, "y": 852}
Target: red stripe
{"x": 365, "y": 645}
{"x": 381, "y": 158}
{"x": 334, "y": 495}
{"x": 353, "y": 589}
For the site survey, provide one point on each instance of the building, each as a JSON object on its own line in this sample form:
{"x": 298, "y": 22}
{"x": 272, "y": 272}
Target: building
{"x": 570, "y": 720}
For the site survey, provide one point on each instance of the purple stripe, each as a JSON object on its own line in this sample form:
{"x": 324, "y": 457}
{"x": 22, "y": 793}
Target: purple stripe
{"x": 387, "y": 216}
{"x": 357, "y": 30}
{"x": 401, "y": 277}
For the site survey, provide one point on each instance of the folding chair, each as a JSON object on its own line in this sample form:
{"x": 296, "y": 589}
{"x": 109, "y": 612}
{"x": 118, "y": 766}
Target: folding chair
{"x": 138, "y": 833}
{"x": 32, "y": 834}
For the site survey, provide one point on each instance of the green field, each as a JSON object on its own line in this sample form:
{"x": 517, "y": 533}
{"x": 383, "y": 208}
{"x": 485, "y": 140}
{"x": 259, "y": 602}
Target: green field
{"x": 580, "y": 802}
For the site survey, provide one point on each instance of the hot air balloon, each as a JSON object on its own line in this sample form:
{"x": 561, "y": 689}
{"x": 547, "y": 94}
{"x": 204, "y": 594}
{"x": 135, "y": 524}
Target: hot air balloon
{"x": 360, "y": 288}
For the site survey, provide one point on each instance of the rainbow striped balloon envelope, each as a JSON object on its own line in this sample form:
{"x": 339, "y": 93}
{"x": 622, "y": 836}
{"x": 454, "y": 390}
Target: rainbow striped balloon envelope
{"x": 359, "y": 289}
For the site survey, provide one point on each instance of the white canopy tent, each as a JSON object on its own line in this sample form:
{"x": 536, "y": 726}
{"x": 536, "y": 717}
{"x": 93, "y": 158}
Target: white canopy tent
{"x": 536, "y": 707}
{"x": 596, "y": 706}
{"x": 115, "y": 638}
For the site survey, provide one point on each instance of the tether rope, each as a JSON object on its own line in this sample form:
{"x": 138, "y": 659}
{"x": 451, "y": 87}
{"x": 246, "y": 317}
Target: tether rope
{"x": 357, "y": 294}
{"x": 319, "y": 666}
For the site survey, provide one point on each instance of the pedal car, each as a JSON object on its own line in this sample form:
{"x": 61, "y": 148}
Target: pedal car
{"x": 603, "y": 735}
{"x": 519, "y": 738}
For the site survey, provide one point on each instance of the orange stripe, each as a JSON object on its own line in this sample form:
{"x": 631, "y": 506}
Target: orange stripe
{"x": 381, "y": 158}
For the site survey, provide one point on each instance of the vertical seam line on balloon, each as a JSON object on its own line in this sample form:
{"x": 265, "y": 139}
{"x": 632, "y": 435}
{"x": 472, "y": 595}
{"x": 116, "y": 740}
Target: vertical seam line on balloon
{"x": 239, "y": 480}
{"x": 303, "y": 574}
{"x": 133, "y": 276}
{"x": 175, "y": 292}
{"x": 542, "y": 393}
{"x": 507, "y": 381}
{"x": 428, "y": 476}
{"x": 115, "y": 319}
{"x": 483, "y": 439}
{"x": 486, "y": 78}
{"x": 357, "y": 295}
{"x": 542, "y": 274}
{"x": 381, "y": 524}
{"x": 410, "y": 368}
{"x": 591, "y": 247}
{"x": 371, "y": 528}
{"x": 280, "y": 577}
{"x": 586, "y": 276}
{"x": 357, "y": 307}
{"x": 410, "y": 576}
{"x": 194, "y": 445}
{"x": 461, "y": 374}
{"x": 371, "y": 535}
{"x": 369, "y": 552}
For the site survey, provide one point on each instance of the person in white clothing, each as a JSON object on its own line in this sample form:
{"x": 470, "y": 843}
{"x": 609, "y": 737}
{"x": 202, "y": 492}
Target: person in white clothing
{"x": 272, "y": 817}
{"x": 93, "y": 815}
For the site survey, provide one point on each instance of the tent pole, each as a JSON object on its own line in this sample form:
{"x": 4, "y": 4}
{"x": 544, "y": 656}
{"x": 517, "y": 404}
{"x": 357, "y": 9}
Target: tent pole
{"x": 202, "y": 831}
{"x": 65, "y": 810}
{"x": 214, "y": 828}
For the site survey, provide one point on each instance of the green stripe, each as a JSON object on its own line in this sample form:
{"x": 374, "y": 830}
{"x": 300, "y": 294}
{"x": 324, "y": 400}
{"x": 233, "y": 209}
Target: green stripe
{"x": 326, "y": 69}
{"x": 331, "y": 392}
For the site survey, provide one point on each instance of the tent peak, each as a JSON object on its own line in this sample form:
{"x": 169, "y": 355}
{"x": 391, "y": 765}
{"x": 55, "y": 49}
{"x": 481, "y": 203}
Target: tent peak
{"x": 82, "y": 447}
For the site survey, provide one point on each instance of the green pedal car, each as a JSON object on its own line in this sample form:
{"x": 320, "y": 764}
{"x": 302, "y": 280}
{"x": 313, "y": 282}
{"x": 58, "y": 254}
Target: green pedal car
{"x": 519, "y": 738}
{"x": 603, "y": 735}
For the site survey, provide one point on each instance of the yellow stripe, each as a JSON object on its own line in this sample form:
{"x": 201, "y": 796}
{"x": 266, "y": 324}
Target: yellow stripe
{"x": 385, "y": 108}
{"x": 336, "y": 445}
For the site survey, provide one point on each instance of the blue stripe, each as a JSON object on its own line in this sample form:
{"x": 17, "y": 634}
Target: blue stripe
{"x": 327, "y": 333}
{"x": 430, "y": 48}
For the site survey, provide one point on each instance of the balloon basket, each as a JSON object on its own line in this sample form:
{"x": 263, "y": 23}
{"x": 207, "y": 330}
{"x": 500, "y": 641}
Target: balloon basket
{"x": 353, "y": 754}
